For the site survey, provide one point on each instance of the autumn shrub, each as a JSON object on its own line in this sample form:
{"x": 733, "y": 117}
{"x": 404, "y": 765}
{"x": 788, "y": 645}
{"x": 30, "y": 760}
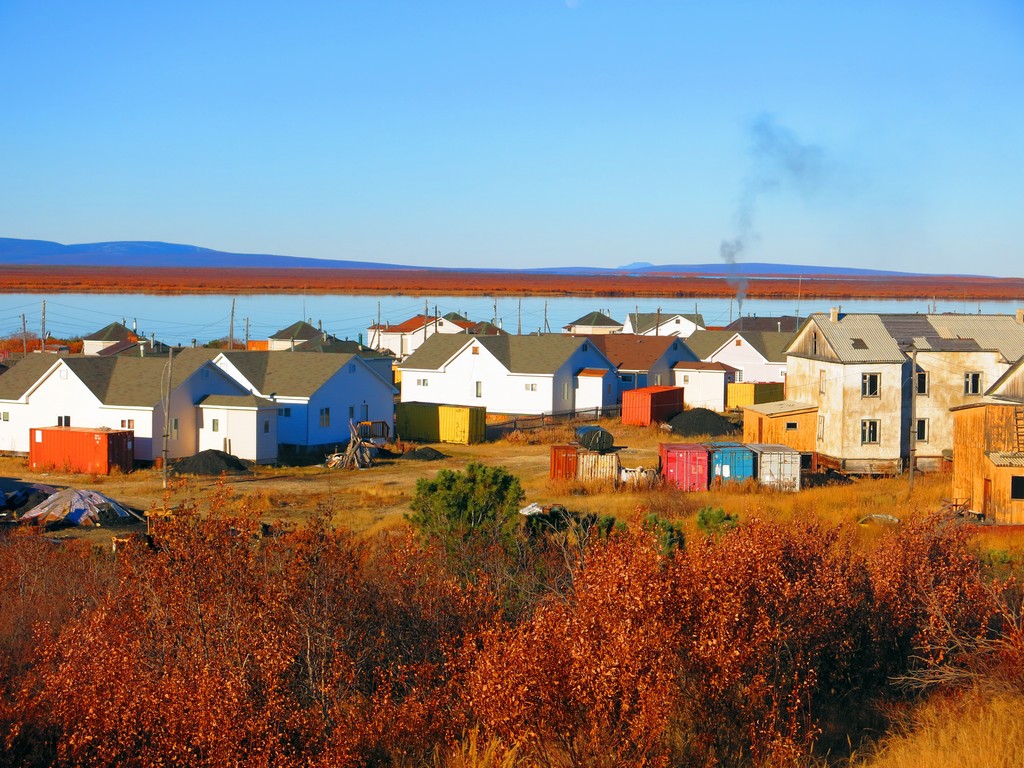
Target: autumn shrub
{"x": 712, "y": 521}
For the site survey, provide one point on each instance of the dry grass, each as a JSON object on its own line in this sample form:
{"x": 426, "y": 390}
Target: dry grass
{"x": 980, "y": 729}
{"x": 476, "y": 752}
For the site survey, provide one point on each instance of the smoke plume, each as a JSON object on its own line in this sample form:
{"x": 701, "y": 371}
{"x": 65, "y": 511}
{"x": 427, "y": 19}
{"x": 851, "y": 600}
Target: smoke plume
{"x": 780, "y": 163}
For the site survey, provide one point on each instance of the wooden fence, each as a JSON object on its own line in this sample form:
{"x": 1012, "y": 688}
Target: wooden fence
{"x": 524, "y": 423}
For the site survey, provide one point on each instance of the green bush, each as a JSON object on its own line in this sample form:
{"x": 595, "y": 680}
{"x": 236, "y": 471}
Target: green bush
{"x": 711, "y": 521}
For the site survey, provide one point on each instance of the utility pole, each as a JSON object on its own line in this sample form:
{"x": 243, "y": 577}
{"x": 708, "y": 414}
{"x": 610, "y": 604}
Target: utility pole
{"x": 376, "y": 331}
{"x": 494, "y": 319}
{"x": 24, "y": 336}
{"x": 547, "y": 328}
{"x": 426, "y": 318}
{"x": 167, "y": 408}
{"x": 42, "y": 333}
{"x": 247, "y": 333}
{"x": 657, "y": 325}
{"x": 519, "y": 323}
{"x": 913, "y": 417}
{"x": 231, "y": 327}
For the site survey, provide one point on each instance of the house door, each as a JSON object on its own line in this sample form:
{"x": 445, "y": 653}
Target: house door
{"x": 364, "y": 412}
{"x": 986, "y": 497}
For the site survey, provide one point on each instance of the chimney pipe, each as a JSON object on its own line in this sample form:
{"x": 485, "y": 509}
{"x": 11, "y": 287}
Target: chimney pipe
{"x": 833, "y": 315}
{"x": 1020, "y": 316}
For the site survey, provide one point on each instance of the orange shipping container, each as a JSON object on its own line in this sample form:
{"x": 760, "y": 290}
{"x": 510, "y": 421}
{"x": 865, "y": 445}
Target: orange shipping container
{"x": 80, "y": 449}
{"x": 564, "y": 459}
{"x": 647, "y": 405}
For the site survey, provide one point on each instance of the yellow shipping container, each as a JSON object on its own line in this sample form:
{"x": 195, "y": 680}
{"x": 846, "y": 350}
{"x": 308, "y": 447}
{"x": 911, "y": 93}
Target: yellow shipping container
{"x": 744, "y": 393}
{"x": 435, "y": 423}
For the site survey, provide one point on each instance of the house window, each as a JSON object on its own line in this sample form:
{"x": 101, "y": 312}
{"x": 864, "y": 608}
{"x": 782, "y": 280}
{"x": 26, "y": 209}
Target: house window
{"x": 174, "y": 429}
{"x": 531, "y": 387}
{"x": 7, "y": 416}
{"x": 791, "y": 426}
{"x": 869, "y": 432}
{"x": 351, "y": 367}
{"x": 739, "y": 342}
{"x": 921, "y": 383}
{"x": 686, "y": 378}
{"x": 475, "y": 350}
{"x": 869, "y": 384}
{"x": 1017, "y": 487}
{"x": 479, "y": 389}
{"x": 325, "y": 417}
{"x": 351, "y": 411}
{"x": 821, "y": 427}
{"x": 565, "y": 390}
{"x": 657, "y": 379}
{"x": 127, "y": 423}
{"x": 972, "y": 383}
{"x": 814, "y": 343}
{"x": 266, "y": 426}
{"x": 921, "y": 430}
{"x": 286, "y": 412}
{"x": 627, "y": 378}
{"x": 821, "y": 382}
{"x": 206, "y": 373}
{"x": 63, "y": 421}
{"x": 422, "y": 382}
{"x": 739, "y": 376}
{"x": 586, "y": 347}
{"x": 63, "y": 373}
{"x": 215, "y": 425}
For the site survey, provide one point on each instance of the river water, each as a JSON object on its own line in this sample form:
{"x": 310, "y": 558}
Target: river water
{"x": 180, "y": 319}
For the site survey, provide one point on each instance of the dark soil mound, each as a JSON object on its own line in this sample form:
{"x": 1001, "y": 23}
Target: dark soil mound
{"x": 701, "y": 421}
{"x": 210, "y": 463}
{"x": 424, "y": 454}
{"x": 825, "y": 477}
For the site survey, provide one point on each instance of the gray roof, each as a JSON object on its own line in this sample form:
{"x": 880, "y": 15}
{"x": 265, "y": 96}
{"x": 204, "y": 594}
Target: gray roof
{"x": 780, "y": 407}
{"x": 870, "y": 338}
{"x": 771, "y": 345}
{"x": 285, "y": 373}
{"x": 770, "y": 448}
{"x": 127, "y": 381}
{"x": 595, "y": 320}
{"x": 300, "y": 331}
{"x": 542, "y": 354}
{"x": 645, "y": 321}
{"x": 237, "y": 401}
{"x": 338, "y": 347}
{"x": 860, "y": 338}
{"x": 20, "y": 377}
{"x": 112, "y": 332}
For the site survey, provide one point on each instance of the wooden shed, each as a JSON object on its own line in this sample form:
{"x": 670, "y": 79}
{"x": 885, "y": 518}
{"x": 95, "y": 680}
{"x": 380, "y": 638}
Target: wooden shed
{"x": 743, "y": 393}
{"x": 988, "y": 459}
{"x": 785, "y": 422}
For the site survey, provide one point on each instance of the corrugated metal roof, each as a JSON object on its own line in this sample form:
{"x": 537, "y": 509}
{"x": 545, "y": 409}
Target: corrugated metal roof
{"x": 771, "y": 448}
{"x": 780, "y": 407}
{"x": 1006, "y": 458}
{"x": 875, "y": 343}
{"x": 1001, "y": 333}
{"x": 236, "y": 401}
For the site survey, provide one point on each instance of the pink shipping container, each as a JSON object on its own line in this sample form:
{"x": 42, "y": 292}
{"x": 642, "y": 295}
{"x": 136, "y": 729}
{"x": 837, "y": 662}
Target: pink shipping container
{"x": 647, "y": 405}
{"x": 80, "y": 449}
{"x": 564, "y": 460}
{"x": 684, "y": 465}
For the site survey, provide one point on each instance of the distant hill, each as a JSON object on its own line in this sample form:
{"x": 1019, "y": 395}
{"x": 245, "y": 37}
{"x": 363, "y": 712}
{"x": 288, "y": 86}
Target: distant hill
{"x": 142, "y": 253}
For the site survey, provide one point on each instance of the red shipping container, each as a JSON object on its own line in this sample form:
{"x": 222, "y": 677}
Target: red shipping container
{"x": 80, "y": 449}
{"x": 647, "y": 405}
{"x": 684, "y": 465}
{"x": 564, "y": 459}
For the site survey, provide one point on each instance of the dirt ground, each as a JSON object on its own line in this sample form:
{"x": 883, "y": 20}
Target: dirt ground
{"x": 377, "y": 498}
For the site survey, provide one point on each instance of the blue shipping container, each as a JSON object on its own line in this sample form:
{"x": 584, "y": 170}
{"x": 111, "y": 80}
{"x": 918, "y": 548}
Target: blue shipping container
{"x": 731, "y": 462}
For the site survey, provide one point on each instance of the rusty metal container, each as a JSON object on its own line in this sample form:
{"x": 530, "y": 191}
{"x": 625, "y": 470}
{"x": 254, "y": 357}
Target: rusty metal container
{"x": 648, "y": 405}
{"x": 684, "y": 465}
{"x": 564, "y": 460}
{"x": 594, "y": 466}
{"x": 81, "y": 449}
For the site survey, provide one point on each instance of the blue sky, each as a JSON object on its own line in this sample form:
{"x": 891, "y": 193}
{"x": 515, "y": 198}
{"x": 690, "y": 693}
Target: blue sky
{"x": 522, "y": 132}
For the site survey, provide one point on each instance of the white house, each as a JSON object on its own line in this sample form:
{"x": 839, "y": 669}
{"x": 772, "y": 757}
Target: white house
{"x": 242, "y": 425}
{"x": 553, "y": 373}
{"x": 663, "y": 324}
{"x": 881, "y": 382}
{"x": 593, "y": 324}
{"x": 108, "y": 336}
{"x": 316, "y": 395}
{"x": 755, "y": 355}
{"x": 405, "y": 338}
{"x": 704, "y": 384}
{"x": 112, "y": 392}
{"x": 642, "y": 361}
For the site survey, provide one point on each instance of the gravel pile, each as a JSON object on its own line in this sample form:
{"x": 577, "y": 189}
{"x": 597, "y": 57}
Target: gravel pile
{"x": 424, "y": 454}
{"x": 701, "y": 421}
{"x": 210, "y": 462}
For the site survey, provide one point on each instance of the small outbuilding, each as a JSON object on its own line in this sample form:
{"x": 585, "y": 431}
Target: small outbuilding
{"x": 776, "y": 466}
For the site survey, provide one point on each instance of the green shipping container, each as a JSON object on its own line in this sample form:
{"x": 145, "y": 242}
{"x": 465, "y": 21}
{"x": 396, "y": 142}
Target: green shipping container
{"x": 436, "y": 423}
